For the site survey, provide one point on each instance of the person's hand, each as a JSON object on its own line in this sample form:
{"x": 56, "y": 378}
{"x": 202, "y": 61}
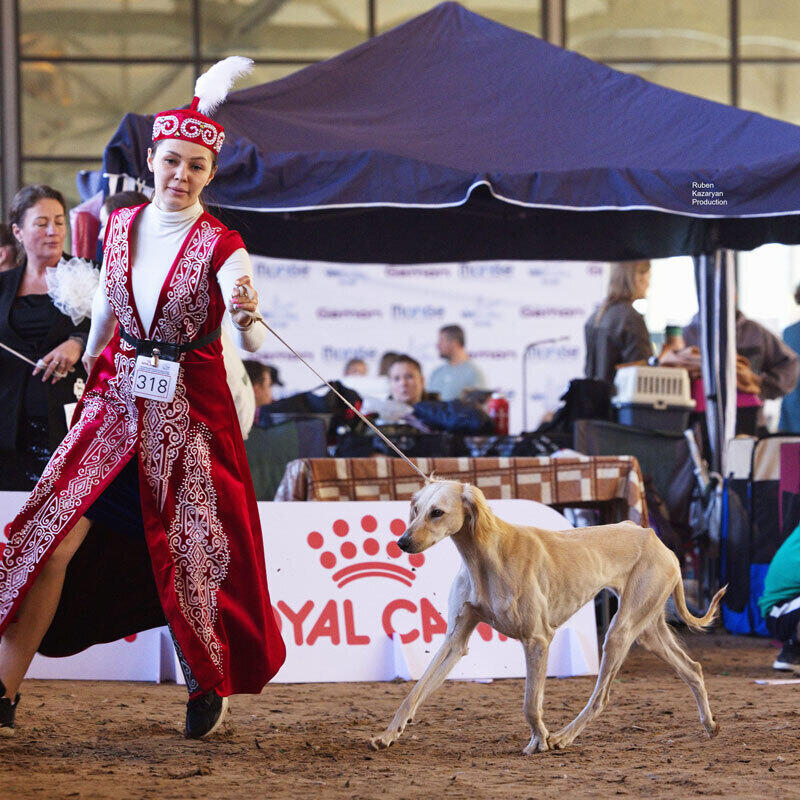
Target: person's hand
{"x": 243, "y": 298}
{"x": 88, "y": 362}
{"x": 746, "y": 380}
{"x": 60, "y": 361}
{"x": 688, "y": 359}
{"x": 669, "y": 358}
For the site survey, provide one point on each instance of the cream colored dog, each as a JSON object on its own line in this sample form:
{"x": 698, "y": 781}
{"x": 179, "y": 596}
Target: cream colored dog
{"x": 525, "y": 582}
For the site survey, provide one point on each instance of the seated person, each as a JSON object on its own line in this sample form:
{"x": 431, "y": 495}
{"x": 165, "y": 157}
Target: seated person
{"x": 261, "y": 378}
{"x": 355, "y": 366}
{"x": 406, "y": 383}
{"x": 125, "y": 199}
{"x": 357, "y": 378}
{"x": 425, "y": 411}
{"x": 780, "y": 603}
{"x": 459, "y": 372}
{"x": 264, "y": 378}
{"x": 386, "y": 361}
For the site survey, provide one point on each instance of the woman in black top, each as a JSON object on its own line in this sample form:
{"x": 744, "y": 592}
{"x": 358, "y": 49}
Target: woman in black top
{"x": 33, "y": 420}
{"x": 616, "y": 333}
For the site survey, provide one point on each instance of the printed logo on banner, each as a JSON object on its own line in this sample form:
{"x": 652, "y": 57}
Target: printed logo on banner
{"x": 280, "y": 313}
{"x": 554, "y": 352}
{"x": 371, "y": 548}
{"x": 552, "y": 312}
{"x": 481, "y": 271}
{"x": 418, "y": 271}
{"x": 348, "y": 313}
{"x": 551, "y": 275}
{"x": 404, "y": 313}
{"x": 492, "y": 355}
{"x": 279, "y": 271}
{"x": 344, "y": 354}
{"x": 346, "y": 277}
{"x": 285, "y": 355}
{"x": 484, "y": 314}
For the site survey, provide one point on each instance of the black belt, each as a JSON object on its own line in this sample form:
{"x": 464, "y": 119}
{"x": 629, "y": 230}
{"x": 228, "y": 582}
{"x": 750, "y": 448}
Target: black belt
{"x": 167, "y": 350}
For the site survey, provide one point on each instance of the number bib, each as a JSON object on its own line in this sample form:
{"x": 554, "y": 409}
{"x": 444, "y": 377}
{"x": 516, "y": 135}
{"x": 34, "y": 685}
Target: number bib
{"x": 155, "y": 381}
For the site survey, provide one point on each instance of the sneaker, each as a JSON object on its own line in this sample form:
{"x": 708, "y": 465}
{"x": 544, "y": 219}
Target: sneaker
{"x": 788, "y": 659}
{"x": 7, "y": 712}
{"x": 204, "y": 715}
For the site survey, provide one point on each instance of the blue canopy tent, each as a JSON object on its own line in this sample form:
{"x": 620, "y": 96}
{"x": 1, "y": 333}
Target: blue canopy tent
{"x": 455, "y": 138}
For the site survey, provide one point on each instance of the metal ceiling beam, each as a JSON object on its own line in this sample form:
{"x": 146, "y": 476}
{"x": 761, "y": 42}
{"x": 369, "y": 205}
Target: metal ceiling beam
{"x": 10, "y": 176}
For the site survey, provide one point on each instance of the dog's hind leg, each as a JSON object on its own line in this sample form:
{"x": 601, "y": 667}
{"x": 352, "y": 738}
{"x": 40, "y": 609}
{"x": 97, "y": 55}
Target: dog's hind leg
{"x": 452, "y": 649}
{"x": 536, "y": 665}
{"x": 618, "y": 641}
{"x": 644, "y": 593}
{"x": 660, "y": 640}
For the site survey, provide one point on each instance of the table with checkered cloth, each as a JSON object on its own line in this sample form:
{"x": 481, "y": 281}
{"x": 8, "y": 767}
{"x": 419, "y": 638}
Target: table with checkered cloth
{"x": 611, "y": 483}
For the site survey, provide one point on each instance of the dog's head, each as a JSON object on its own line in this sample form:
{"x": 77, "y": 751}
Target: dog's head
{"x": 439, "y": 509}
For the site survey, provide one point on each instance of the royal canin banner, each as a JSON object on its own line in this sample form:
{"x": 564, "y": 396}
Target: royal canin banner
{"x": 331, "y": 313}
{"x": 351, "y": 605}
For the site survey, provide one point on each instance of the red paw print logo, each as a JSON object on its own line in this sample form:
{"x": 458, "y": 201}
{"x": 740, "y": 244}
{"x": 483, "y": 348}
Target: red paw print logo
{"x": 339, "y": 553}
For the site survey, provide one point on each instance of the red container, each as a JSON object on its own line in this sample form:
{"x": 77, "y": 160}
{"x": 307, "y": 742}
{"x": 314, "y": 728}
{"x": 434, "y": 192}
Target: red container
{"x": 497, "y": 409}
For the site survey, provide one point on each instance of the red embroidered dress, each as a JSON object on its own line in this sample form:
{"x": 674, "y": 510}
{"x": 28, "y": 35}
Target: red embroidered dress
{"x": 200, "y": 516}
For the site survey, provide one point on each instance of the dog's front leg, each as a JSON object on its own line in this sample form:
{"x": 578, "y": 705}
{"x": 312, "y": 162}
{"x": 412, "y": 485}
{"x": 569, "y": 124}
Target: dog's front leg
{"x": 452, "y": 649}
{"x": 536, "y": 671}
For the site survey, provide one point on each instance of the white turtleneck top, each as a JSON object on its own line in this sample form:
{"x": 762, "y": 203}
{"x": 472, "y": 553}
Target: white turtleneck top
{"x": 158, "y": 236}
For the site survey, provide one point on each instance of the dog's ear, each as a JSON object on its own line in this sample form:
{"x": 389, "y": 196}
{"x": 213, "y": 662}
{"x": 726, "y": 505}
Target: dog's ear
{"x": 469, "y": 505}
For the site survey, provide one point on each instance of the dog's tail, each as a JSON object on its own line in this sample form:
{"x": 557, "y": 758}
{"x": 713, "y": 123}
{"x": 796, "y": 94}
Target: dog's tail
{"x": 696, "y": 623}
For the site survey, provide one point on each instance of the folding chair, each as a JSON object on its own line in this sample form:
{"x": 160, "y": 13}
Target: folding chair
{"x": 757, "y": 490}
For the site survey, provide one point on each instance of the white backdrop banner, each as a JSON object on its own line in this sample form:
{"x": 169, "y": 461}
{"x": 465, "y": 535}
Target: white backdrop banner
{"x": 331, "y": 313}
{"x": 351, "y": 605}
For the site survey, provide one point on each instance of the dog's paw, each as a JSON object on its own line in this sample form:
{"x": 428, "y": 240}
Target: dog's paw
{"x": 536, "y": 745}
{"x": 384, "y": 740}
{"x": 712, "y": 730}
{"x": 558, "y": 741}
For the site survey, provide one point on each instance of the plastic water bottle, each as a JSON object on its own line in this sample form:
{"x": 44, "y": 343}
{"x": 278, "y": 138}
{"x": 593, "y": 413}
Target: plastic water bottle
{"x": 497, "y": 409}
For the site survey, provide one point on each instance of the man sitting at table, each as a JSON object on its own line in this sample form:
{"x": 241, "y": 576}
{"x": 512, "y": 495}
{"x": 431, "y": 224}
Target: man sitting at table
{"x": 459, "y": 372}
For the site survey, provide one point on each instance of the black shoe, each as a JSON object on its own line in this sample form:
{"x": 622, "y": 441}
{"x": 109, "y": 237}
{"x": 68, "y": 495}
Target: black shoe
{"x": 204, "y": 715}
{"x": 788, "y": 659}
{"x": 7, "y": 712}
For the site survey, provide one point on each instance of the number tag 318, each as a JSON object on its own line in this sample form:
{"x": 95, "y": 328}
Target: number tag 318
{"x": 155, "y": 381}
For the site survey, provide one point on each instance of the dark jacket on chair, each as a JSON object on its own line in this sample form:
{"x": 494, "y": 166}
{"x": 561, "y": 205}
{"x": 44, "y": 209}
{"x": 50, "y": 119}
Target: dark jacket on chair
{"x": 13, "y": 370}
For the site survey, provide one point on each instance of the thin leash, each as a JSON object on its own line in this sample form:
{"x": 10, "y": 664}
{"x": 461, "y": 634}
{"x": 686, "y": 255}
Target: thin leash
{"x": 258, "y": 318}
{"x": 18, "y": 355}
{"x": 40, "y": 364}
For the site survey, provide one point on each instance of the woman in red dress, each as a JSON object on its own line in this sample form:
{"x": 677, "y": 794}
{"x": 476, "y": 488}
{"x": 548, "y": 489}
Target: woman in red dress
{"x": 149, "y": 500}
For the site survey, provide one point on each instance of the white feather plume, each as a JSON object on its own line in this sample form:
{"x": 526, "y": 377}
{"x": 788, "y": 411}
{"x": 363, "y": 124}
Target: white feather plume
{"x": 212, "y": 86}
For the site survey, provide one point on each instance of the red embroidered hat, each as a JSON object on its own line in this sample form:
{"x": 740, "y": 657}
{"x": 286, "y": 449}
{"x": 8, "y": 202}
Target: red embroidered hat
{"x": 191, "y": 124}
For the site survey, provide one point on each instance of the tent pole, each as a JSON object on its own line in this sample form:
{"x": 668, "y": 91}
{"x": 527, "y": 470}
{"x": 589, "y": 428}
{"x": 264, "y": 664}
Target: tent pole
{"x": 716, "y": 297}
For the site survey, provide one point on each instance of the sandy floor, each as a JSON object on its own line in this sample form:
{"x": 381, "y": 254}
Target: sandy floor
{"x": 115, "y": 740}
